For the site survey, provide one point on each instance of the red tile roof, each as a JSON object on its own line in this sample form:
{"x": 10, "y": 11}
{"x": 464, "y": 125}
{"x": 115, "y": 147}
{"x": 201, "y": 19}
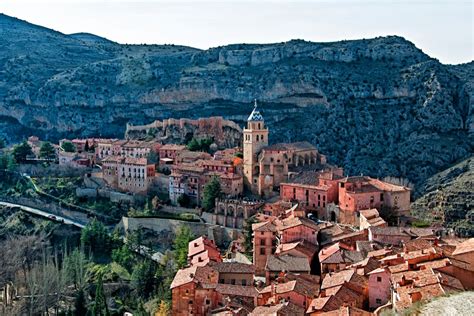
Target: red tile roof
{"x": 233, "y": 267}
{"x": 287, "y": 263}
{"x": 347, "y": 311}
{"x": 282, "y": 309}
{"x": 464, "y": 247}
{"x": 236, "y": 290}
{"x": 199, "y": 245}
{"x": 202, "y": 275}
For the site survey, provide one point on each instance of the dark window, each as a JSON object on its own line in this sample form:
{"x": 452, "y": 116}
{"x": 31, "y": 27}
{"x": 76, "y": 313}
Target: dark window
{"x": 379, "y": 279}
{"x": 378, "y": 301}
{"x": 221, "y": 281}
{"x": 262, "y": 242}
{"x": 371, "y": 199}
{"x": 190, "y": 302}
{"x": 232, "y": 281}
{"x": 262, "y": 251}
{"x": 208, "y": 302}
{"x": 244, "y": 282}
{"x": 381, "y": 196}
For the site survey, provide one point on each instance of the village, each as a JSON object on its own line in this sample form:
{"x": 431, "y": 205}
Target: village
{"x": 322, "y": 242}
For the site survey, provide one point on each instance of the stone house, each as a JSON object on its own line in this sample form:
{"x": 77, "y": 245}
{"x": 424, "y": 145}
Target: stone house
{"x": 203, "y": 250}
{"x": 264, "y": 244}
{"x": 379, "y": 287}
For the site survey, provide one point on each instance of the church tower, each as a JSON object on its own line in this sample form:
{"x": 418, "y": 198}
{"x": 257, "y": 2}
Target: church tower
{"x": 255, "y": 138}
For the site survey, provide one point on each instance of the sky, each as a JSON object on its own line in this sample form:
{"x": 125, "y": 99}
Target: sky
{"x": 441, "y": 28}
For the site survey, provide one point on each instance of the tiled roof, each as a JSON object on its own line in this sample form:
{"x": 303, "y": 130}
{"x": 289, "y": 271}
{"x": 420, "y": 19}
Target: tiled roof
{"x": 291, "y": 222}
{"x": 464, "y": 247}
{"x": 282, "y": 309}
{"x": 417, "y": 244}
{"x": 347, "y": 311}
{"x": 200, "y": 244}
{"x": 194, "y": 274}
{"x": 255, "y": 116}
{"x": 232, "y": 267}
{"x": 367, "y": 265}
{"x": 339, "y": 296}
{"x": 379, "y": 253}
{"x": 172, "y": 147}
{"x": 306, "y": 248}
{"x": 264, "y": 227}
{"x": 370, "y": 213}
{"x": 236, "y": 290}
{"x": 341, "y": 277}
{"x": 287, "y": 263}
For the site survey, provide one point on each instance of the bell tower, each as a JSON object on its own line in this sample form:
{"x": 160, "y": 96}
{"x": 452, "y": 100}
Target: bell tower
{"x": 255, "y": 138}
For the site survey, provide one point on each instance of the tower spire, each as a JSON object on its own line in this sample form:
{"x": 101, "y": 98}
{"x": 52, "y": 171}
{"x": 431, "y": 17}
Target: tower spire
{"x": 255, "y": 104}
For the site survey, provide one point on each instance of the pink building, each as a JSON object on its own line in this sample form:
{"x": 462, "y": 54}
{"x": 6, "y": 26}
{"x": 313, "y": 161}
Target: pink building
{"x": 379, "y": 287}
{"x": 264, "y": 244}
{"x": 203, "y": 250}
{"x": 294, "y": 229}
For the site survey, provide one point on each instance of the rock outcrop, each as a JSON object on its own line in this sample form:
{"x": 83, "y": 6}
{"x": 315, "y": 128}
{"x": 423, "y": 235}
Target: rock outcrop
{"x": 449, "y": 198}
{"x": 375, "y": 106}
{"x": 225, "y": 133}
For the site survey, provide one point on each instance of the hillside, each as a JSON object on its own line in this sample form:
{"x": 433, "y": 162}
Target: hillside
{"x": 375, "y": 106}
{"x": 449, "y": 198}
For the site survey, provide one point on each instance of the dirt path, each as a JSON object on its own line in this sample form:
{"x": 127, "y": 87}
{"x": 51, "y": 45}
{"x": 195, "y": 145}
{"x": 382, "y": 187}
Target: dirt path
{"x": 454, "y": 305}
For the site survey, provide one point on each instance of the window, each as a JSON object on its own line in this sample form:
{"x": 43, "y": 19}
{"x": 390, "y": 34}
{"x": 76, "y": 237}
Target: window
{"x": 232, "y": 281}
{"x": 261, "y": 137}
{"x": 342, "y": 184}
{"x": 221, "y": 281}
{"x": 378, "y": 301}
{"x": 262, "y": 251}
{"x": 262, "y": 242}
{"x": 257, "y": 138}
{"x": 208, "y": 302}
{"x": 190, "y": 302}
{"x": 379, "y": 279}
{"x": 372, "y": 199}
{"x": 244, "y": 282}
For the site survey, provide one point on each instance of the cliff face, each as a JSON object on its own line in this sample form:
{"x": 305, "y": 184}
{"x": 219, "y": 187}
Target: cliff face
{"x": 378, "y": 106}
{"x": 449, "y": 198}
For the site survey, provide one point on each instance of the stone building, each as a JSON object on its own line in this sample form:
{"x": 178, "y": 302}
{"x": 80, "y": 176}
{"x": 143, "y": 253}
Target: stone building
{"x": 360, "y": 193}
{"x": 233, "y": 213}
{"x": 265, "y": 167}
{"x": 313, "y": 189}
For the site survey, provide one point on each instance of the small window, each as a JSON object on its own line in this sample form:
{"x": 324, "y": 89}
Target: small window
{"x": 378, "y": 301}
{"x": 262, "y": 242}
{"x": 244, "y": 282}
{"x": 342, "y": 184}
{"x": 208, "y": 302}
{"x": 379, "y": 279}
{"x": 190, "y": 302}
{"x": 232, "y": 281}
{"x": 262, "y": 251}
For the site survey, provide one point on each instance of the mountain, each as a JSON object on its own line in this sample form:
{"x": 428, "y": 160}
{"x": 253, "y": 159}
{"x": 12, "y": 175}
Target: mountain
{"x": 375, "y": 106}
{"x": 448, "y": 198}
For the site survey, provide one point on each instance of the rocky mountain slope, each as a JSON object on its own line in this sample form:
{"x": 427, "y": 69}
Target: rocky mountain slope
{"x": 449, "y": 198}
{"x": 376, "y": 106}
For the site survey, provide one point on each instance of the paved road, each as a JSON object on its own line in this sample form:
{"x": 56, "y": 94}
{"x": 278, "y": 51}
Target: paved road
{"x": 47, "y": 215}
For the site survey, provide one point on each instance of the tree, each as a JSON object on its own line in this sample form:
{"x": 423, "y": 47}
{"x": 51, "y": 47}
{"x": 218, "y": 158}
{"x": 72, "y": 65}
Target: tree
{"x": 22, "y": 151}
{"x": 153, "y": 157}
{"x": 163, "y": 309}
{"x": 193, "y": 145}
{"x": 123, "y": 256}
{"x": 239, "y": 155}
{"x": 248, "y": 238}
{"x": 2, "y": 143}
{"x": 100, "y": 304}
{"x": 141, "y": 310}
{"x": 212, "y": 190}
{"x": 68, "y": 147}
{"x": 47, "y": 151}
{"x": 143, "y": 278}
{"x": 95, "y": 237}
{"x": 86, "y": 146}
{"x": 181, "y": 242}
{"x": 6, "y": 162}
{"x": 80, "y": 308}
{"x": 184, "y": 200}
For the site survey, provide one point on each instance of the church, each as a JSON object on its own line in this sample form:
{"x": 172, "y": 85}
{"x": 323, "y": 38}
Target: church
{"x": 266, "y": 166}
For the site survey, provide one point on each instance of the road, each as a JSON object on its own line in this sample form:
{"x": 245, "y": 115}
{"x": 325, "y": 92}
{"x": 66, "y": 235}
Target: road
{"x": 47, "y": 215}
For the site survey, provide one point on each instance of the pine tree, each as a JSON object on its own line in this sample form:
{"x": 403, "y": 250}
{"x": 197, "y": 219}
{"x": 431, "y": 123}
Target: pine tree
{"x": 100, "y": 304}
{"x": 47, "y": 151}
{"x": 22, "y": 151}
{"x": 181, "y": 242}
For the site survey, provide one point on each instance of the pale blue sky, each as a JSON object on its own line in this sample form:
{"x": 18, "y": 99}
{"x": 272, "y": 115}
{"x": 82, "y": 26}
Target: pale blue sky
{"x": 441, "y": 28}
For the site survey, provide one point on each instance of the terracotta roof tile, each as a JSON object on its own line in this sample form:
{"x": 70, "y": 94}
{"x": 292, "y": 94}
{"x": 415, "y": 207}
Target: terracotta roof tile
{"x": 202, "y": 275}
{"x": 464, "y": 247}
{"x": 232, "y": 267}
{"x": 287, "y": 263}
{"x": 236, "y": 290}
{"x": 282, "y": 309}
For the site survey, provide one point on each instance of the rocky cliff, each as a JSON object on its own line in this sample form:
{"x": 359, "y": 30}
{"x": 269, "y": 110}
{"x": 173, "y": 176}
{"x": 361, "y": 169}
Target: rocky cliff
{"x": 449, "y": 198}
{"x": 376, "y": 106}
